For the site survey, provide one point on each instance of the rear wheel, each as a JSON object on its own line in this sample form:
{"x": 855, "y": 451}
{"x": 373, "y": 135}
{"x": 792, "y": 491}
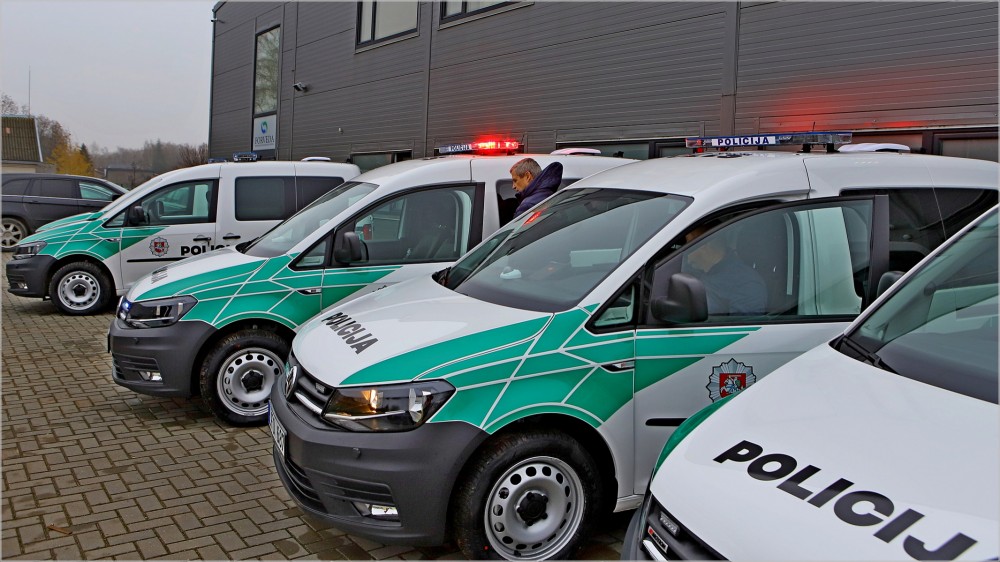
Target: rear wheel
{"x": 237, "y": 375}
{"x": 80, "y": 288}
{"x": 528, "y": 496}
{"x": 13, "y": 231}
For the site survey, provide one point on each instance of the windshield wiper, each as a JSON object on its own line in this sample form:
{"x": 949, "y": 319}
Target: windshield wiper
{"x": 862, "y": 353}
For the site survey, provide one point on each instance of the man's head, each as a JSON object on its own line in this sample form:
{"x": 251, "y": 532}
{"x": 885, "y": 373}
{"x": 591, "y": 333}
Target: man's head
{"x": 708, "y": 253}
{"x": 523, "y": 171}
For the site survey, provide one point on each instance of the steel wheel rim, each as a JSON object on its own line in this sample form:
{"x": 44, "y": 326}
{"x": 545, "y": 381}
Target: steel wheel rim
{"x": 522, "y": 526}
{"x": 237, "y": 382}
{"x": 12, "y": 234}
{"x": 79, "y": 290}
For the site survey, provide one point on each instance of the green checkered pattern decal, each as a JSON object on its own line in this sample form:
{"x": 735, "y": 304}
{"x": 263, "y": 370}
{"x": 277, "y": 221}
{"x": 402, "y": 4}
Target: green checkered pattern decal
{"x": 267, "y": 289}
{"x": 90, "y": 239}
{"x": 548, "y": 365}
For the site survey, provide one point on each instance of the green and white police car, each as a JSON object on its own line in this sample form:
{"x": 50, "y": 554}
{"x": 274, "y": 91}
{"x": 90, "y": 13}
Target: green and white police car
{"x": 881, "y": 445}
{"x": 82, "y": 261}
{"x": 221, "y": 323}
{"x": 512, "y": 399}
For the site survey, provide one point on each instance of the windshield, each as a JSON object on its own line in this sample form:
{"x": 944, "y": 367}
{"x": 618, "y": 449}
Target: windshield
{"x": 126, "y": 198}
{"x": 283, "y": 237}
{"x": 559, "y": 253}
{"x": 941, "y": 327}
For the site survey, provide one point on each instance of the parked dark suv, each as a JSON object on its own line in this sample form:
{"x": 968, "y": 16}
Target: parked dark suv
{"x": 31, "y": 200}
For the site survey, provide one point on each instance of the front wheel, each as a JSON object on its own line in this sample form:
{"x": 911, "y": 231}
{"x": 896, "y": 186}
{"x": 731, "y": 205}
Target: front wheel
{"x": 12, "y": 232}
{"x": 528, "y": 496}
{"x": 237, "y": 375}
{"x": 80, "y": 288}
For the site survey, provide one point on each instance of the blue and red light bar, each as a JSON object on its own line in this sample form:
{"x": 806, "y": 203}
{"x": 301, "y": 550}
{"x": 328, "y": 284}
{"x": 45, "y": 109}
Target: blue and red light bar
{"x": 482, "y": 147}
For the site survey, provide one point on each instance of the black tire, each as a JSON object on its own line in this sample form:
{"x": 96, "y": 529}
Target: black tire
{"x": 13, "y": 231}
{"x": 81, "y": 288}
{"x": 237, "y": 374}
{"x": 520, "y": 480}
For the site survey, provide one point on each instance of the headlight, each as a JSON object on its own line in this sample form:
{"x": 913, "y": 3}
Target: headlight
{"x": 397, "y": 407}
{"x": 22, "y": 251}
{"x": 155, "y": 313}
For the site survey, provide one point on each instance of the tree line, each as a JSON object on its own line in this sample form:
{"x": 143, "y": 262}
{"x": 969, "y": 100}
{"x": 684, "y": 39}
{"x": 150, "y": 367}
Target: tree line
{"x": 67, "y": 157}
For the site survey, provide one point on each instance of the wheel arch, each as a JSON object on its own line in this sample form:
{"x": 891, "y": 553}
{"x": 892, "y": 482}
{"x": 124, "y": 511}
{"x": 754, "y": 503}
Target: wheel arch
{"x": 72, "y": 258}
{"x": 580, "y": 431}
{"x": 225, "y": 331}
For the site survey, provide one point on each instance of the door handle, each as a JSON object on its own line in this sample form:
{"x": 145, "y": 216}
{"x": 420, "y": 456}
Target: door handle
{"x": 619, "y": 366}
{"x": 311, "y": 291}
{"x": 113, "y": 240}
{"x": 231, "y": 236}
{"x": 202, "y": 239}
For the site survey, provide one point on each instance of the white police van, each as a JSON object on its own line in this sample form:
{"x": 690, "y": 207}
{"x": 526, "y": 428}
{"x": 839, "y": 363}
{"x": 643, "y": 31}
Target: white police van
{"x": 513, "y": 398}
{"x": 881, "y": 445}
{"x": 220, "y": 324}
{"x": 82, "y": 261}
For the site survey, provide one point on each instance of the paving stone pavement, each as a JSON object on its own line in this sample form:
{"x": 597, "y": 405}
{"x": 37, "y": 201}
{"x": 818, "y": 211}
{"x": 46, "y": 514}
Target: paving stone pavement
{"x": 94, "y": 471}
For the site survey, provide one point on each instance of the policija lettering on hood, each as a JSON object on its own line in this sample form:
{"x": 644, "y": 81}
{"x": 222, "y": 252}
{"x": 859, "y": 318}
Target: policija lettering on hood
{"x": 775, "y": 466}
{"x": 353, "y": 333}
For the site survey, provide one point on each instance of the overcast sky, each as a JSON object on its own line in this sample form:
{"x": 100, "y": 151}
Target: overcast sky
{"x": 116, "y": 72}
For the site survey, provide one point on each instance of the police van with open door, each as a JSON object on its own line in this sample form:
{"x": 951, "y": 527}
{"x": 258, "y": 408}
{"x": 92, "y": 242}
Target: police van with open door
{"x": 220, "y": 324}
{"x": 84, "y": 261}
{"x": 529, "y": 387}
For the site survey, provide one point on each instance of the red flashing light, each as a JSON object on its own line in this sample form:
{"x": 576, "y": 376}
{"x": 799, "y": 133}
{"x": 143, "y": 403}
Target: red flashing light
{"x": 496, "y": 146}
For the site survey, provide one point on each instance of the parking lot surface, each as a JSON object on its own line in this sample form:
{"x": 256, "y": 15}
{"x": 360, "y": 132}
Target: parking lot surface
{"x": 94, "y": 471}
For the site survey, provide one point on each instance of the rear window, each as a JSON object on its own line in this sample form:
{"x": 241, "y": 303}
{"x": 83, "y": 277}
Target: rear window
{"x": 55, "y": 188}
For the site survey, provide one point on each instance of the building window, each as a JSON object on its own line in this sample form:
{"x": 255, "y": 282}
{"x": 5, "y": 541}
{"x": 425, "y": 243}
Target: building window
{"x": 457, "y": 10}
{"x": 371, "y": 160}
{"x": 266, "y": 72}
{"x": 378, "y": 21}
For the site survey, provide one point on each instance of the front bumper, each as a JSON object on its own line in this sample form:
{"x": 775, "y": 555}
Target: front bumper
{"x": 28, "y": 277}
{"x": 170, "y": 351}
{"x": 655, "y": 534}
{"x": 330, "y": 472}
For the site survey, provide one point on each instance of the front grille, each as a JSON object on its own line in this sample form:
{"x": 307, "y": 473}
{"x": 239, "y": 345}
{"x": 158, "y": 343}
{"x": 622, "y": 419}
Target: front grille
{"x": 127, "y": 367}
{"x": 311, "y": 393}
{"x": 684, "y": 546}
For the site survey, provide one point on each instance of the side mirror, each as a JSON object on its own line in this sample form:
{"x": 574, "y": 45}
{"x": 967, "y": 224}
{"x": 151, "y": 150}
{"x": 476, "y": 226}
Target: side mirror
{"x": 887, "y": 280}
{"x": 347, "y": 247}
{"x": 686, "y": 301}
{"x": 136, "y": 215}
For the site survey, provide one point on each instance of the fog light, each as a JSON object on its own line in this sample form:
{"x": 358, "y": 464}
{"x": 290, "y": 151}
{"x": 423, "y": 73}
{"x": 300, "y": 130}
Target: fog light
{"x": 151, "y": 376}
{"x": 21, "y": 285}
{"x": 375, "y": 511}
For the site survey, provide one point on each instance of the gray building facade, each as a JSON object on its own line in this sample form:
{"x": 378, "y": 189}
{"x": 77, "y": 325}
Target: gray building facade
{"x": 382, "y": 81}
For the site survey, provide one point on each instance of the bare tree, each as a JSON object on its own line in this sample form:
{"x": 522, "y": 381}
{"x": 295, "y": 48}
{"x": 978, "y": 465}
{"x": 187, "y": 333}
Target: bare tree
{"x": 192, "y": 155}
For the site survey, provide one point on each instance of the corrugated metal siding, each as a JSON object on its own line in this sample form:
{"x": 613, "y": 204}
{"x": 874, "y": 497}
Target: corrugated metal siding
{"x": 552, "y": 72}
{"x": 864, "y": 65}
{"x": 321, "y": 19}
{"x": 230, "y": 133}
{"x": 666, "y": 73}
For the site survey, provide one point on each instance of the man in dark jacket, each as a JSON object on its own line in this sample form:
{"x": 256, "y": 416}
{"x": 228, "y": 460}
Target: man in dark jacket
{"x": 531, "y": 184}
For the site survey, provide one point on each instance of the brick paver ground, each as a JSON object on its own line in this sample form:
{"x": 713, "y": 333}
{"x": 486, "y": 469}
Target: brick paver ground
{"x": 94, "y": 471}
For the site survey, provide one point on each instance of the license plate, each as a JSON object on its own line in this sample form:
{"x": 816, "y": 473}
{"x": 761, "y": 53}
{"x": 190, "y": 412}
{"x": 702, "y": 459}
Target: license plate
{"x": 278, "y": 431}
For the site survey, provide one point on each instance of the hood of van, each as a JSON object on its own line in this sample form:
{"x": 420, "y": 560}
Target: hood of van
{"x": 196, "y": 275}
{"x": 505, "y": 363}
{"x": 70, "y": 219}
{"x": 829, "y": 458}
{"x": 88, "y": 237}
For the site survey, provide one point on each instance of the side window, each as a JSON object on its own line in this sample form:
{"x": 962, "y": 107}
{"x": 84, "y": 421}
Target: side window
{"x": 55, "y": 188}
{"x": 922, "y": 219}
{"x": 783, "y": 264}
{"x": 261, "y": 199}
{"x": 316, "y": 257}
{"x": 420, "y": 226}
{"x": 95, "y": 192}
{"x": 15, "y": 187}
{"x": 183, "y": 203}
{"x": 309, "y": 189}
{"x": 620, "y": 311}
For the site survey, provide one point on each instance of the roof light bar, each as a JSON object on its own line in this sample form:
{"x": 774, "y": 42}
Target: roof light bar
{"x": 245, "y": 157}
{"x": 773, "y": 139}
{"x": 493, "y": 146}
